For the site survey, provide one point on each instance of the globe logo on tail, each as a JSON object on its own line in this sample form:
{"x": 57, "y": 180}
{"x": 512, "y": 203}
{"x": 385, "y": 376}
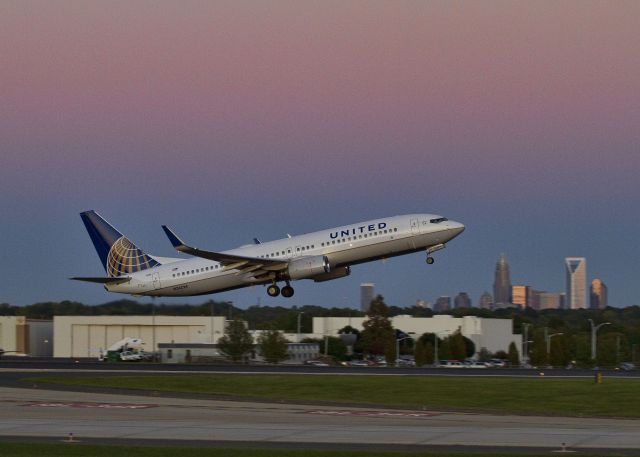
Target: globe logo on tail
{"x": 124, "y": 257}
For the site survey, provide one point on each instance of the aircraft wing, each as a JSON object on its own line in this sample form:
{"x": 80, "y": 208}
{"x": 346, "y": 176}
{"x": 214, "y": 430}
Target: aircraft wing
{"x": 101, "y": 280}
{"x": 256, "y": 266}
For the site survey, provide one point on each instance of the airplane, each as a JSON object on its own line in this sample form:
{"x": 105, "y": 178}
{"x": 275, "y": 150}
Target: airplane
{"x": 319, "y": 256}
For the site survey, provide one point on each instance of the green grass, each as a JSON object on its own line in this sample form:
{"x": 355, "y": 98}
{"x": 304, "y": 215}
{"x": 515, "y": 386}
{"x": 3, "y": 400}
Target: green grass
{"x": 83, "y": 450}
{"x": 544, "y": 396}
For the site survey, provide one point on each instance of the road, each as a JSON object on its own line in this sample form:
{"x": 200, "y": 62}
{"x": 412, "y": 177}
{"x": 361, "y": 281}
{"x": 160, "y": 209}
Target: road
{"x": 91, "y": 364}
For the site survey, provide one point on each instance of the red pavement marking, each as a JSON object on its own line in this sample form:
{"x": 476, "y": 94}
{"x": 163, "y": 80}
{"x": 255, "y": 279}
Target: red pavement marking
{"x": 90, "y": 405}
{"x": 373, "y": 413}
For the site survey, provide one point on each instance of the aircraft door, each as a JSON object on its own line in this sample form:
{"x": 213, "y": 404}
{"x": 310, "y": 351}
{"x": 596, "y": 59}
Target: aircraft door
{"x": 297, "y": 250}
{"x": 415, "y": 226}
{"x": 156, "y": 280}
{"x": 289, "y": 252}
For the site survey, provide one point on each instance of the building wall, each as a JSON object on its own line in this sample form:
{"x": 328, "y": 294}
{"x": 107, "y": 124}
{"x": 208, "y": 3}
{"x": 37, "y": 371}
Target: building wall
{"x": 9, "y": 333}
{"x": 492, "y": 334}
{"x": 22, "y": 336}
{"x": 40, "y": 338}
{"x": 85, "y": 336}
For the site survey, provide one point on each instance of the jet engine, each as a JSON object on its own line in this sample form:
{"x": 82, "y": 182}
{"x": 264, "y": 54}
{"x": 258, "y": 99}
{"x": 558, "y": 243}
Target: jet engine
{"x": 336, "y": 273}
{"x": 308, "y": 267}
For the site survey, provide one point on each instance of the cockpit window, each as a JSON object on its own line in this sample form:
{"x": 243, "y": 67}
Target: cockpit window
{"x": 438, "y": 220}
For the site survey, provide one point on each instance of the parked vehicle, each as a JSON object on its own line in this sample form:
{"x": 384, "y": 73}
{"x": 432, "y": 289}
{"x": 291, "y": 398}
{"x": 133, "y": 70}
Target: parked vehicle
{"x": 477, "y": 365}
{"x": 498, "y": 363}
{"x": 451, "y": 364}
{"x": 316, "y": 363}
{"x": 360, "y": 363}
{"x": 627, "y": 366}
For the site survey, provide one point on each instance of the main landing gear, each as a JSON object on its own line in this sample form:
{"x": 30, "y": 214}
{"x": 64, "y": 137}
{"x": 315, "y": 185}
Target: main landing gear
{"x": 273, "y": 290}
{"x": 430, "y": 260}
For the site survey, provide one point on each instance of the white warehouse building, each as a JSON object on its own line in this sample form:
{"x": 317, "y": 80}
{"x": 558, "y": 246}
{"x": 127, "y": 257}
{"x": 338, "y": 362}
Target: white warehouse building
{"x": 86, "y": 336}
{"x": 491, "y": 334}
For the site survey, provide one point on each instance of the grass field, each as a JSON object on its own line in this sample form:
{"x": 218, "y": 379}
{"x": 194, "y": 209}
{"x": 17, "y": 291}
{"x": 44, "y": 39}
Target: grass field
{"x": 543, "y": 396}
{"x": 81, "y": 450}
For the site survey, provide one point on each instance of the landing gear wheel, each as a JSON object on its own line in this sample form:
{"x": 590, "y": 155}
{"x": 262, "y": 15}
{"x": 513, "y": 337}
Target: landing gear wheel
{"x": 430, "y": 260}
{"x": 287, "y": 291}
{"x": 273, "y": 290}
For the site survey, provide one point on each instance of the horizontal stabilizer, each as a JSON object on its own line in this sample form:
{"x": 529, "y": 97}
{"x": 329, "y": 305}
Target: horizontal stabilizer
{"x": 103, "y": 280}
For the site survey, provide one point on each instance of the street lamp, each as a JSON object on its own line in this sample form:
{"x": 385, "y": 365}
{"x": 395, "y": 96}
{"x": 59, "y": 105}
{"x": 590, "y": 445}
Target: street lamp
{"x": 547, "y": 338}
{"x": 398, "y": 346}
{"x": 299, "y": 316}
{"x": 525, "y": 344}
{"x": 594, "y": 335}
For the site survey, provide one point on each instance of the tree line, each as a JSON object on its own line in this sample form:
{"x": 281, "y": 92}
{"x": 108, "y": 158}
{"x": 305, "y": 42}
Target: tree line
{"x": 616, "y": 342}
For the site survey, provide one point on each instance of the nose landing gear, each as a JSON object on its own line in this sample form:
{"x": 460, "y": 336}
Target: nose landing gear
{"x": 431, "y": 250}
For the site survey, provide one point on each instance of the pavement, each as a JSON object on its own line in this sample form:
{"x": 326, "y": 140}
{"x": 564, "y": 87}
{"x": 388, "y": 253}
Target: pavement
{"x": 35, "y": 414}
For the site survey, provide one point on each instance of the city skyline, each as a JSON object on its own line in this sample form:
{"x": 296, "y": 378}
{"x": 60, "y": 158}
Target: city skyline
{"x": 234, "y": 120}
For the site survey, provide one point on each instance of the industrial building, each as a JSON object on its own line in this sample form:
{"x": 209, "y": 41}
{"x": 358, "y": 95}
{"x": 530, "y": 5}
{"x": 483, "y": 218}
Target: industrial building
{"x": 22, "y": 336}
{"x": 182, "y": 338}
{"x": 87, "y": 336}
{"x": 491, "y": 334}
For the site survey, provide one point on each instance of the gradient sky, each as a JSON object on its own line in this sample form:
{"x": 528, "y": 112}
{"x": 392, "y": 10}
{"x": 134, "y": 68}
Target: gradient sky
{"x": 229, "y": 120}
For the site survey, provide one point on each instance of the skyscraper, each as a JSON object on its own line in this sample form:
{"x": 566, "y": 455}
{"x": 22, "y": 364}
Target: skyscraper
{"x": 599, "y": 293}
{"x": 486, "y": 301}
{"x": 443, "y": 303}
{"x": 462, "y": 300}
{"x": 576, "y": 268}
{"x": 521, "y": 296}
{"x": 502, "y": 283}
{"x": 366, "y": 296}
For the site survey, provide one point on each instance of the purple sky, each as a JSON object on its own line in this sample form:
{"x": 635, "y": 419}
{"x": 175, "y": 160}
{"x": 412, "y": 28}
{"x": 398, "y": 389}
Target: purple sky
{"x": 229, "y": 120}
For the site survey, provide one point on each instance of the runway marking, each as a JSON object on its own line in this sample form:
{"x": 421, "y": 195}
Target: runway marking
{"x": 373, "y": 413}
{"x": 90, "y": 405}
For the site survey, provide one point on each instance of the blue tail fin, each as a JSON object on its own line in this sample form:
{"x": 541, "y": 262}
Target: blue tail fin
{"x": 119, "y": 256}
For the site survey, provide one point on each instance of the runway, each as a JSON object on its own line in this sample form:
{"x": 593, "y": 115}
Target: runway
{"x": 35, "y": 414}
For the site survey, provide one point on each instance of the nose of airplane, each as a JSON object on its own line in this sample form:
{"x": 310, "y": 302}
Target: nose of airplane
{"x": 455, "y": 228}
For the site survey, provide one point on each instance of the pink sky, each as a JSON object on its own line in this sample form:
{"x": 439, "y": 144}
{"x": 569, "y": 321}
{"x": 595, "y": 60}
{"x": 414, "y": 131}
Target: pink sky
{"x": 379, "y": 100}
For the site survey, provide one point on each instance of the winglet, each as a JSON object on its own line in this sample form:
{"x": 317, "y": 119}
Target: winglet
{"x": 175, "y": 241}
{"x": 256, "y": 241}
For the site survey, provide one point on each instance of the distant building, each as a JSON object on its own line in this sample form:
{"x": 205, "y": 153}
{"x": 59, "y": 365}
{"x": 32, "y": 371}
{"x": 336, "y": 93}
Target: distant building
{"x": 521, "y": 296}
{"x": 486, "y": 301}
{"x": 502, "y": 283}
{"x": 443, "y": 303}
{"x": 548, "y": 300}
{"x": 366, "y": 296}
{"x": 462, "y": 300}
{"x": 576, "y": 270}
{"x": 491, "y": 334}
{"x": 598, "y": 294}
{"x": 22, "y": 336}
{"x": 535, "y": 299}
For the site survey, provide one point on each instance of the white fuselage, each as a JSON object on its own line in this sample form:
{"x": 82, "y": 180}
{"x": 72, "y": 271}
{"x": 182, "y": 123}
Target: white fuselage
{"x": 343, "y": 246}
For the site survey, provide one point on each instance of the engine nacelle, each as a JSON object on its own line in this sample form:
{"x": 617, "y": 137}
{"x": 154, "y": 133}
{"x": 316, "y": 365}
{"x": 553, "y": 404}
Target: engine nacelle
{"x": 336, "y": 273}
{"x": 308, "y": 267}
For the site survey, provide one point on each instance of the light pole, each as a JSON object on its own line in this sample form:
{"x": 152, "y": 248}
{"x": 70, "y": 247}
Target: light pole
{"x": 299, "y": 316}
{"x": 211, "y": 313}
{"x": 436, "y": 362}
{"x": 525, "y": 344}
{"x": 398, "y": 346}
{"x": 594, "y": 336}
{"x": 547, "y": 338}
